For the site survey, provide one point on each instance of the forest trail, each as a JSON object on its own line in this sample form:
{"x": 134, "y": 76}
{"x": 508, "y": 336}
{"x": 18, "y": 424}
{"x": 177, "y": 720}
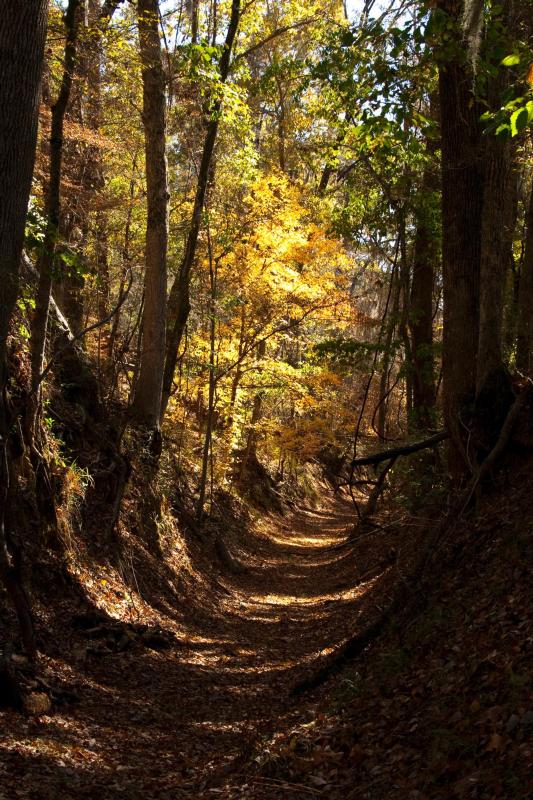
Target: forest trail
{"x": 180, "y": 722}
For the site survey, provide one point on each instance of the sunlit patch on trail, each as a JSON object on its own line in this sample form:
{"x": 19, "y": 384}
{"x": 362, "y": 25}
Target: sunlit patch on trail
{"x": 306, "y": 541}
{"x": 290, "y": 599}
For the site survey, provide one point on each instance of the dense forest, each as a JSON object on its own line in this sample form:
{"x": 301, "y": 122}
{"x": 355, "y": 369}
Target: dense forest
{"x": 266, "y": 405}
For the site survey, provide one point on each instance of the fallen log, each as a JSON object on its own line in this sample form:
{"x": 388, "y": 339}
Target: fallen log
{"x": 395, "y": 452}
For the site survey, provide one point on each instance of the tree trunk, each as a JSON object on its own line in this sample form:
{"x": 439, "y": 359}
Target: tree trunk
{"x": 388, "y": 355}
{"x": 53, "y": 208}
{"x": 22, "y": 37}
{"x": 126, "y": 264}
{"x": 147, "y": 402}
{"x": 421, "y": 305}
{"x": 510, "y": 311}
{"x": 524, "y": 343}
{"x": 281, "y": 125}
{"x": 495, "y": 244}
{"x": 83, "y": 160}
{"x": 208, "y": 441}
{"x": 462, "y": 199}
{"x": 251, "y": 441}
{"x": 179, "y": 299}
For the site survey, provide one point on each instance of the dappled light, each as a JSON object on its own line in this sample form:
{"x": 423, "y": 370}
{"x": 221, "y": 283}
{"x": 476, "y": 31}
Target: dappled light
{"x": 266, "y": 399}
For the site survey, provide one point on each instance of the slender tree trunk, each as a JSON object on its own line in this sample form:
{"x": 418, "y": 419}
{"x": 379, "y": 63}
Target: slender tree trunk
{"x": 251, "y": 441}
{"x": 208, "y": 443}
{"x": 281, "y": 126}
{"x": 462, "y": 200}
{"x": 391, "y": 324}
{"x": 403, "y": 322}
{"x": 179, "y": 300}
{"x": 421, "y": 305}
{"x": 524, "y": 344}
{"x": 84, "y": 161}
{"x": 193, "y": 6}
{"x": 53, "y": 208}
{"x": 22, "y": 37}
{"x": 147, "y": 403}
{"x": 126, "y": 260}
{"x": 238, "y": 369}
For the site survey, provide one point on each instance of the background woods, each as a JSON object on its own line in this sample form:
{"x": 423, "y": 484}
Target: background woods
{"x": 255, "y": 215}
{"x": 244, "y": 245}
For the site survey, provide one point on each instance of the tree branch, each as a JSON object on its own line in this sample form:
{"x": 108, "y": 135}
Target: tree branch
{"x": 109, "y": 8}
{"x": 377, "y": 458}
{"x": 274, "y": 35}
{"x": 85, "y": 331}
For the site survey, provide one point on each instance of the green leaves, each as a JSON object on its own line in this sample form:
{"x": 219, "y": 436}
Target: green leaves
{"x": 519, "y": 120}
{"x": 35, "y": 231}
{"x": 511, "y": 60}
{"x": 511, "y": 119}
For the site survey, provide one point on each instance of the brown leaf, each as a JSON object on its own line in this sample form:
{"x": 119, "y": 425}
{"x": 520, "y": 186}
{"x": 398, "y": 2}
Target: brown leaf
{"x": 495, "y": 743}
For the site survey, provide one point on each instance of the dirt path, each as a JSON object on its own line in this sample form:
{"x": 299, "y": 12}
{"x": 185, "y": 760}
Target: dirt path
{"x": 179, "y": 722}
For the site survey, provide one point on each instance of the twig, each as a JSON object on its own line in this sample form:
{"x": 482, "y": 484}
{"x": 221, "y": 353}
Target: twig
{"x": 298, "y": 787}
{"x": 85, "y": 331}
{"x": 274, "y": 35}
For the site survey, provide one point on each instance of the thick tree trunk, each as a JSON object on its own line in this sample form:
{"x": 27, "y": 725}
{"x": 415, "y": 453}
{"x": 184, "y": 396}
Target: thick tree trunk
{"x": 22, "y": 37}
{"x": 462, "y": 201}
{"x": 179, "y": 300}
{"x": 147, "y": 402}
{"x": 496, "y": 239}
{"x": 22, "y": 33}
{"x": 511, "y": 291}
{"x": 524, "y": 343}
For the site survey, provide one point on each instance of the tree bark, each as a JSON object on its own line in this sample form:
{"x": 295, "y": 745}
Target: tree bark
{"x": 22, "y": 38}
{"x": 496, "y": 242}
{"x": 208, "y": 441}
{"x": 421, "y": 305}
{"x": 53, "y": 208}
{"x": 524, "y": 342}
{"x": 251, "y": 440}
{"x": 22, "y": 35}
{"x": 388, "y": 355}
{"x": 83, "y": 161}
{"x": 179, "y": 300}
{"x": 147, "y": 402}
{"x": 462, "y": 200}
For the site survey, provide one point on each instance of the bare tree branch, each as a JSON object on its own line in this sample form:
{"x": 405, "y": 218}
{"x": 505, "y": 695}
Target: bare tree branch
{"x": 71, "y": 339}
{"x": 406, "y": 450}
{"x": 274, "y": 35}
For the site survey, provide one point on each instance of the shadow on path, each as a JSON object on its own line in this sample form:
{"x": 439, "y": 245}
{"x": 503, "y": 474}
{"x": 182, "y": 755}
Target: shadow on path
{"x": 170, "y": 724}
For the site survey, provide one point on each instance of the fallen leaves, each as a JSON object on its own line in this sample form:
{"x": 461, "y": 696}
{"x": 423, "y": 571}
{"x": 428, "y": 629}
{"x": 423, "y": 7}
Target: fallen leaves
{"x": 437, "y": 709}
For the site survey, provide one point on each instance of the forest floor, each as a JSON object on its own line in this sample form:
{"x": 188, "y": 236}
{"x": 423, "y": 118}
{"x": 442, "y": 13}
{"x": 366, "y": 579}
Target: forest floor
{"x": 195, "y": 693}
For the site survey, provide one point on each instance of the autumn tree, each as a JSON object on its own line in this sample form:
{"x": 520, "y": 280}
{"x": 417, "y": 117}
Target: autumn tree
{"x": 179, "y": 299}
{"x": 47, "y": 260}
{"x": 147, "y": 403}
